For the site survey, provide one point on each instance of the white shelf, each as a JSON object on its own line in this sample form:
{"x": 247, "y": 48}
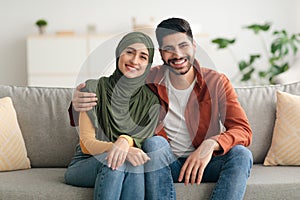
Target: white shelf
{"x": 57, "y": 60}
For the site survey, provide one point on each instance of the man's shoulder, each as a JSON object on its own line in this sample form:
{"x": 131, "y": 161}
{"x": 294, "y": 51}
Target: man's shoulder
{"x": 209, "y": 71}
{"x": 160, "y": 69}
{"x": 212, "y": 78}
{"x": 157, "y": 68}
{"x": 156, "y": 73}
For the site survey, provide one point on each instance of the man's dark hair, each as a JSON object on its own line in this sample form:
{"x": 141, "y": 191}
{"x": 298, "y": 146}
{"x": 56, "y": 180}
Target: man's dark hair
{"x": 171, "y": 26}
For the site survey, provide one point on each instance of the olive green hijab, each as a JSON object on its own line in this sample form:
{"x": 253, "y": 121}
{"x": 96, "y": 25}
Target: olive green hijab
{"x": 125, "y": 105}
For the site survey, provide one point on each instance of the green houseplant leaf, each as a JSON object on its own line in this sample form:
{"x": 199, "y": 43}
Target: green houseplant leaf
{"x": 256, "y": 28}
{"x": 41, "y": 22}
{"x": 243, "y": 65}
{"x": 247, "y": 76}
{"x": 223, "y": 42}
{"x": 278, "y": 54}
{"x": 253, "y": 58}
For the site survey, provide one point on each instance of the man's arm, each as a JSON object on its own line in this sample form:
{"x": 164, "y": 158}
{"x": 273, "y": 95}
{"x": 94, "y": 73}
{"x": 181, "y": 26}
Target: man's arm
{"x": 193, "y": 168}
{"x": 238, "y": 131}
{"x": 81, "y": 102}
{"x": 234, "y": 119}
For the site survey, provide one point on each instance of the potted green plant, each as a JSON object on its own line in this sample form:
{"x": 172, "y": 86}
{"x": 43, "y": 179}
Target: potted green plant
{"x": 280, "y": 54}
{"x": 41, "y": 24}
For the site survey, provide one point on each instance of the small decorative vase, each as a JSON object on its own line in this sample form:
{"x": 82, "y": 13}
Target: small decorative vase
{"x": 42, "y": 30}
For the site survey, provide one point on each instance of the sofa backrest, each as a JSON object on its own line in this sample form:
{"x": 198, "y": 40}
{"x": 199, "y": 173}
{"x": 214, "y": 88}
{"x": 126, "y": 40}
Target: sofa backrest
{"x": 50, "y": 140}
{"x": 259, "y": 103}
{"x": 43, "y": 118}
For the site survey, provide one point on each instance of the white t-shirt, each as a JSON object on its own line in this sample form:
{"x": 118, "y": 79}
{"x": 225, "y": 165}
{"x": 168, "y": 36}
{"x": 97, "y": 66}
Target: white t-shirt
{"x": 174, "y": 122}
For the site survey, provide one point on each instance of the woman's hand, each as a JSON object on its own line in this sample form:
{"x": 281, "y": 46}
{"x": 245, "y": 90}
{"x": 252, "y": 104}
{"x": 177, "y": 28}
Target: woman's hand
{"x": 117, "y": 154}
{"x": 83, "y": 101}
{"x": 137, "y": 156}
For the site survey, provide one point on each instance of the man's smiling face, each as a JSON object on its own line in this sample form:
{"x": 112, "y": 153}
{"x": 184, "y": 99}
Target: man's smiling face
{"x": 178, "y": 52}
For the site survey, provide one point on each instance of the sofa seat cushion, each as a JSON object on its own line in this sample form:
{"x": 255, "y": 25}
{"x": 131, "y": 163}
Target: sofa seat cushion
{"x": 280, "y": 182}
{"x": 40, "y": 183}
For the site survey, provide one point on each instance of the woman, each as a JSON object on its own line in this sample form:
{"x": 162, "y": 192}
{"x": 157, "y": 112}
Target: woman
{"x": 108, "y": 156}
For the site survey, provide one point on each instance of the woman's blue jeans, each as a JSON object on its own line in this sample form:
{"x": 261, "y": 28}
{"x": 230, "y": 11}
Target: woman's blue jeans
{"x": 127, "y": 182}
{"x": 229, "y": 171}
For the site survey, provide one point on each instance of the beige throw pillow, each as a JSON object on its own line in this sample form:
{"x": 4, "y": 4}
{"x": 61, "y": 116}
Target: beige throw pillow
{"x": 13, "y": 154}
{"x": 285, "y": 147}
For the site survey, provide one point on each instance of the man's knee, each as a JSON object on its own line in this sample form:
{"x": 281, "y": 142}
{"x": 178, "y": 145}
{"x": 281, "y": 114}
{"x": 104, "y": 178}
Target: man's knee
{"x": 241, "y": 151}
{"x": 243, "y": 155}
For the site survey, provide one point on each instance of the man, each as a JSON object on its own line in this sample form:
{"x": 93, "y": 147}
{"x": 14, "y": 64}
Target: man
{"x": 194, "y": 100}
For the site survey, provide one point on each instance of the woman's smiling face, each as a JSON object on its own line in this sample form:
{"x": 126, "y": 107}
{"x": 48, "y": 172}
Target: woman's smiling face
{"x": 133, "y": 60}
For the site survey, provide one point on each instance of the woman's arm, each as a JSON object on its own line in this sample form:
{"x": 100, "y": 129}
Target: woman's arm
{"x": 88, "y": 142}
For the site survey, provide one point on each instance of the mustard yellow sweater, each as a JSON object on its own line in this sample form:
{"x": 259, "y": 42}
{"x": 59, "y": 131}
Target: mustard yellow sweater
{"x": 88, "y": 142}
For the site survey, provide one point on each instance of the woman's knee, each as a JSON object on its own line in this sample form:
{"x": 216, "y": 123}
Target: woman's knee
{"x": 160, "y": 153}
{"x": 134, "y": 169}
{"x": 81, "y": 174}
{"x": 155, "y": 143}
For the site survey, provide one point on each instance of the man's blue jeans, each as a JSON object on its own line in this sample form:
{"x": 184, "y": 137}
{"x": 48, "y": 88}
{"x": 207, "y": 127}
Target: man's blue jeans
{"x": 127, "y": 182}
{"x": 229, "y": 171}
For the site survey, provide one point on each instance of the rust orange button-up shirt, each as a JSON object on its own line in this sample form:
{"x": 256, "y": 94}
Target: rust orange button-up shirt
{"x": 213, "y": 101}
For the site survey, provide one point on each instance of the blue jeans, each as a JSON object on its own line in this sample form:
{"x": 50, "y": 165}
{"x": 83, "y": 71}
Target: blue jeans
{"x": 230, "y": 171}
{"x": 127, "y": 182}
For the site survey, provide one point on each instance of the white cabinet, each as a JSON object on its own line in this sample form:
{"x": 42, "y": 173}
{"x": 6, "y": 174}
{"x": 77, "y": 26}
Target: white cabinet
{"x": 56, "y": 60}
{"x": 61, "y": 60}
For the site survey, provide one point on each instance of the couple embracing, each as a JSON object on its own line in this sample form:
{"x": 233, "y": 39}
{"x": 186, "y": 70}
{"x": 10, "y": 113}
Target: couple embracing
{"x": 143, "y": 129}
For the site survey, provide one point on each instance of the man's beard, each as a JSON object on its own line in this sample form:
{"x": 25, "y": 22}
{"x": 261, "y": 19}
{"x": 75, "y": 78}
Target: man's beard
{"x": 189, "y": 66}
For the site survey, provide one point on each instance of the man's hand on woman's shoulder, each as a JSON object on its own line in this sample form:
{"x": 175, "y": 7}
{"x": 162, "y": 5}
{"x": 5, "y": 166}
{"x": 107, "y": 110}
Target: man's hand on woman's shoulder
{"x": 83, "y": 101}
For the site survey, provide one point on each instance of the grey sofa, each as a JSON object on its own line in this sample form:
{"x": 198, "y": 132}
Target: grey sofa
{"x": 50, "y": 142}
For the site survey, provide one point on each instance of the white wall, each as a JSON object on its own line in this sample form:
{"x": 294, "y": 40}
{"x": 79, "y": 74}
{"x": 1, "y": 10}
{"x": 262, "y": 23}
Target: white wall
{"x": 216, "y": 17}
{"x": 297, "y": 13}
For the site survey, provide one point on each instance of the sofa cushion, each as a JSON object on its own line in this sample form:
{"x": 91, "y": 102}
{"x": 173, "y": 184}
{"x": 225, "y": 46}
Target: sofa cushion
{"x": 259, "y": 103}
{"x": 46, "y": 183}
{"x": 285, "y": 147}
{"x": 13, "y": 154}
{"x": 40, "y": 183}
{"x": 43, "y": 118}
{"x": 280, "y": 182}
{"x": 44, "y": 122}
